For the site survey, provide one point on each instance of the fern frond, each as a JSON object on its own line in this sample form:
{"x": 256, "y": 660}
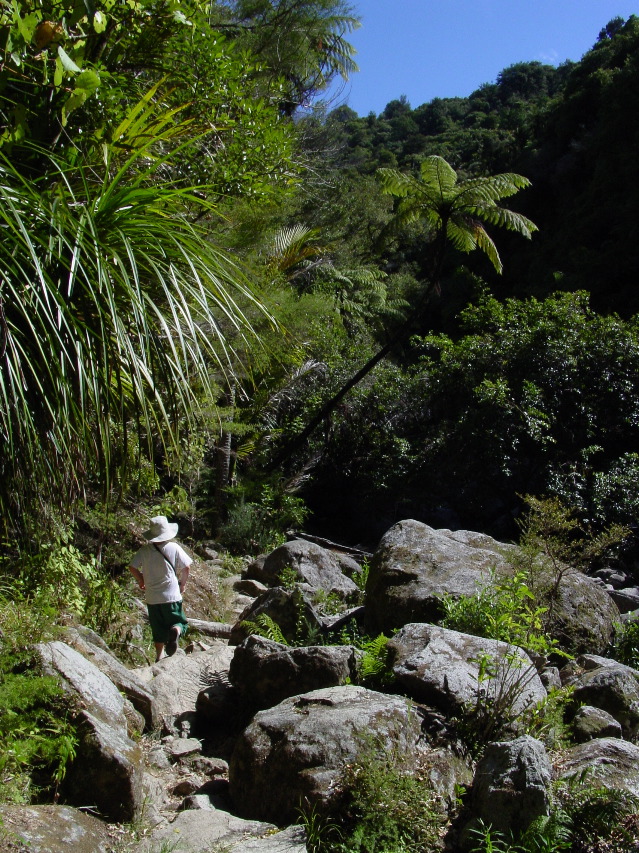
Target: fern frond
{"x": 266, "y": 627}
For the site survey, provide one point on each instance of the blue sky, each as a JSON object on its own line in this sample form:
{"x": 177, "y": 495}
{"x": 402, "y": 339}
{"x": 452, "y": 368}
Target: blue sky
{"x": 445, "y": 48}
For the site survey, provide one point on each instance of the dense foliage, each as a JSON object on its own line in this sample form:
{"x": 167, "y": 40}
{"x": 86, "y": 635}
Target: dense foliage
{"x": 532, "y": 398}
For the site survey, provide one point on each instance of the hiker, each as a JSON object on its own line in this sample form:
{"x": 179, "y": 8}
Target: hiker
{"x": 161, "y": 569}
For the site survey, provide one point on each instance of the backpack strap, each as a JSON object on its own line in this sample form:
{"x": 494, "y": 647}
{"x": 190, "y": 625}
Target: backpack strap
{"x": 164, "y": 557}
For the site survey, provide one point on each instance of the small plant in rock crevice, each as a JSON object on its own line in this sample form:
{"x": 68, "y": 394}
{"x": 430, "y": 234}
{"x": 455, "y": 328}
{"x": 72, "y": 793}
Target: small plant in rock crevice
{"x": 584, "y": 818}
{"x": 494, "y": 712}
{"x": 266, "y": 627}
{"x": 373, "y": 667}
{"x": 388, "y": 807}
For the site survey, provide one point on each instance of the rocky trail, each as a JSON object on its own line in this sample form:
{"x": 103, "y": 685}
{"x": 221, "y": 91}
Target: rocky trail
{"x": 215, "y": 749}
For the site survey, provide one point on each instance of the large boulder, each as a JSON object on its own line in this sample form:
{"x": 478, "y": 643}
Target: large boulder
{"x": 50, "y": 829}
{"x": 265, "y": 672}
{"x": 107, "y": 773}
{"x": 91, "y": 646}
{"x": 590, "y": 722}
{"x": 176, "y": 682}
{"x": 454, "y": 671}
{"x": 604, "y": 762}
{"x": 608, "y": 685}
{"x": 295, "y": 752}
{"x": 204, "y": 830}
{"x": 312, "y": 565}
{"x": 415, "y": 566}
{"x": 583, "y": 615}
{"x": 512, "y": 784}
{"x": 80, "y": 678}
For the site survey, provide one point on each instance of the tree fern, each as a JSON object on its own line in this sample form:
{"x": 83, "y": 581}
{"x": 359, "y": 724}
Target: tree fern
{"x": 456, "y": 209}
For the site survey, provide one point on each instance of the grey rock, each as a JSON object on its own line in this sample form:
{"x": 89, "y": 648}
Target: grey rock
{"x": 95, "y": 691}
{"x": 135, "y": 721}
{"x": 255, "y": 569}
{"x": 584, "y": 615}
{"x": 158, "y": 758}
{"x": 207, "y": 550}
{"x": 197, "y": 801}
{"x": 266, "y": 672}
{"x": 512, "y": 784}
{"x": 175, "y": 682}
{"x": 250, "y": 587}
{"x": 286, "y": 607}
{"x": 605, "y": 762}
{"x": 313, "y": 565}
{"x": 218, "y": 702}
{"x": 183, "y": 747}
{"x": 187, "y": 786}
{"x": 550, "y": 678}
{"x": 589, "y": 723}
{"x": 610, "y": 686}
{"x": 296, "y": 750}
{"x": 200, "y": 831}
{"x": 441, "y": 667}
{"x": 415, "y": 566}
{"x": 626, "y": 599}
{"x": 210, "y": 766}
{"x": 289, "y": 840}
{"x": 446, "y": 771}
{"x": 50, "y": 829}
{"x": 107, "y": 772}
{"x": 93, "y": 648}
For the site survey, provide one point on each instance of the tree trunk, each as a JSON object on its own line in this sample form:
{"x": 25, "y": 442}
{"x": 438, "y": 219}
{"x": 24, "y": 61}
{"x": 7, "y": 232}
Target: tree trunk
{"x": 222, "y": 466}
{"x": 401, "y": 334}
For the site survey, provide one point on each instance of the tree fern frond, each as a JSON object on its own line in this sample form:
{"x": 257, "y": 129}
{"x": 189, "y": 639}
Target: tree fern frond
{"x": 462, "y": 237}
{"x": 436, "y": 172}
{"x": 488, "y": 247}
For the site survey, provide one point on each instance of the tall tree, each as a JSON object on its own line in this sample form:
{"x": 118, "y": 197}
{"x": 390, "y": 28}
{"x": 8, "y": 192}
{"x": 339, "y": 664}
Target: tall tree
{"x": 302, "y": 41}
{"x": 454, "y": 212}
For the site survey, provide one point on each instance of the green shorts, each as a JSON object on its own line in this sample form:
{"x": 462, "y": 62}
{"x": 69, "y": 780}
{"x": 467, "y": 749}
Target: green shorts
{"x": 164, "y": 616}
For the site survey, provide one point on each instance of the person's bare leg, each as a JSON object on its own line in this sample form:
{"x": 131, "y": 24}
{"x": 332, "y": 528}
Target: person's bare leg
{"x": 159, "y": 651}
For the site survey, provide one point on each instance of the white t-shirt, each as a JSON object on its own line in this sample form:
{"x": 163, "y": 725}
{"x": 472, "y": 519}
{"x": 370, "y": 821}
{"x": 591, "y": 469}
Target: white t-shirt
{"x": 160, "y": 581}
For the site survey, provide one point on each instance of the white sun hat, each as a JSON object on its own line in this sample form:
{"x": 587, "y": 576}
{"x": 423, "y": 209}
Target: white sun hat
{"x": 160, "y": 530}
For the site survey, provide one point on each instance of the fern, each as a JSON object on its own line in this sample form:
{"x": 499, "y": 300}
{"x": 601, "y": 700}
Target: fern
{"x": 266, "y": 627}
{"x": 373, "y": 664}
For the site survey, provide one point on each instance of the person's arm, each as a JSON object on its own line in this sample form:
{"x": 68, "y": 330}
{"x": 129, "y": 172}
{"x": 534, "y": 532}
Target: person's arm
{"x": 184, "y": 578}
{"x": 137, "y": 574}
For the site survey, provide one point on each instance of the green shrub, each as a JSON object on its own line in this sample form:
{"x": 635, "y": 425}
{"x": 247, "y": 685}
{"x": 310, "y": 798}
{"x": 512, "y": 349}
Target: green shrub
{"x": 37, "y": 740}
{"x": 625, "y": 646}
{"x": 388, "y": 808}
{"x": 258, "y": 526}
{"x": 505, "y": 609}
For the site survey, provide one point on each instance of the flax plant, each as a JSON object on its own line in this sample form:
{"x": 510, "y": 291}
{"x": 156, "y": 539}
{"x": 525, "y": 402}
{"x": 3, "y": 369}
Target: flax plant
{"x": 116, "y": 309}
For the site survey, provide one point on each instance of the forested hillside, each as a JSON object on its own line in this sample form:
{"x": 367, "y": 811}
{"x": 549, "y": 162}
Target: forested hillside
{"x": 223, "y": 297}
